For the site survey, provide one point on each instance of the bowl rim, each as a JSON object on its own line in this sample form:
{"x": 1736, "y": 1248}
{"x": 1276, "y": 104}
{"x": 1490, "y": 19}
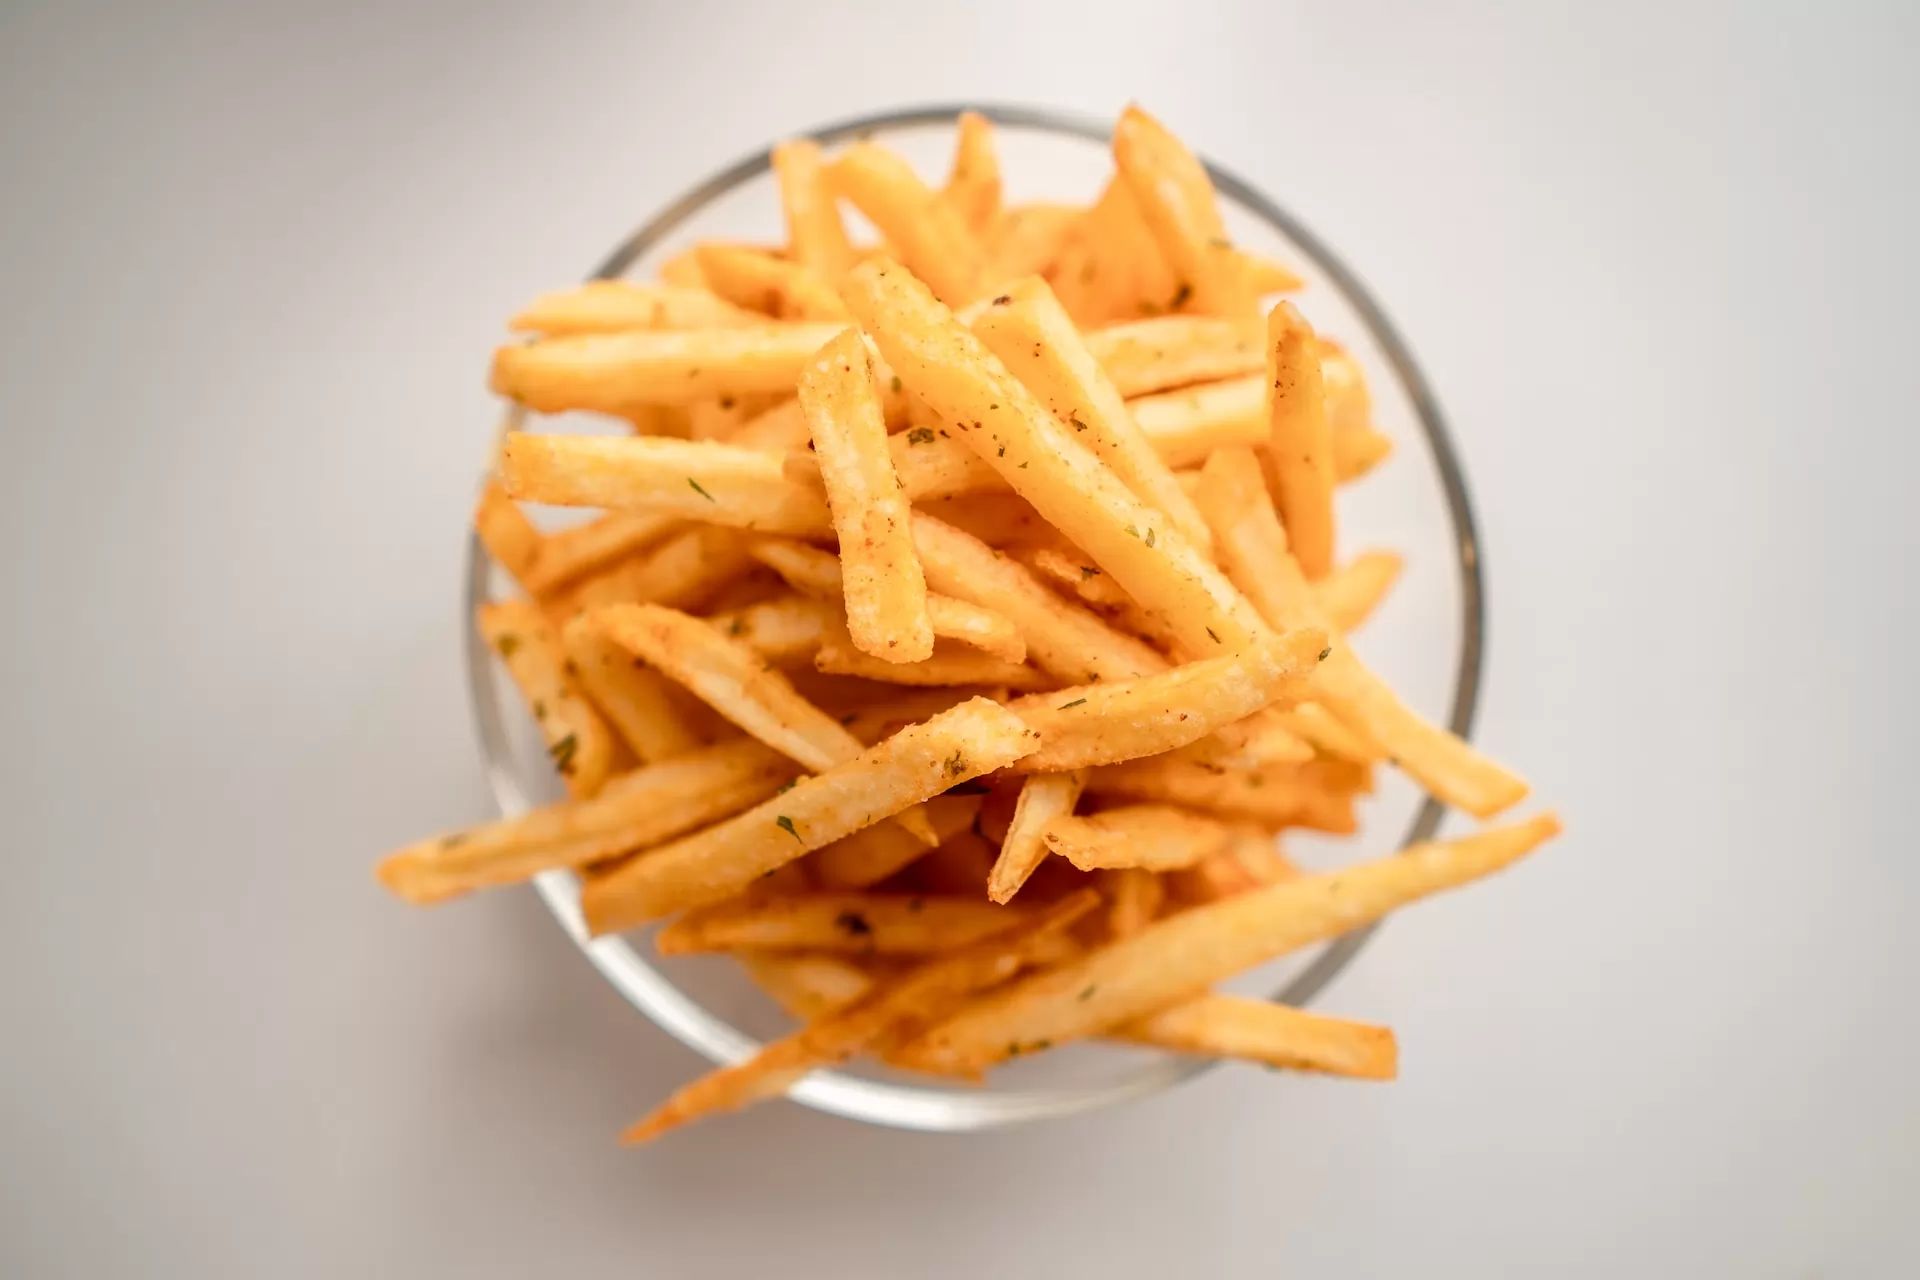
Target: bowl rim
{"x": 932, "y": 1108}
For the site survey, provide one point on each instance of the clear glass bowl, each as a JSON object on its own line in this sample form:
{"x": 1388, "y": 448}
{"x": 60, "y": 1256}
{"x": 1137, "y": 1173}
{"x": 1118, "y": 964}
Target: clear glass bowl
{"x": 1426, "y": 638}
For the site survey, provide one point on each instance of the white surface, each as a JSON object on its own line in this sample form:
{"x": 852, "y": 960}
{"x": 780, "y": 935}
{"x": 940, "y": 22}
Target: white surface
{"x": 1659, "y": 264}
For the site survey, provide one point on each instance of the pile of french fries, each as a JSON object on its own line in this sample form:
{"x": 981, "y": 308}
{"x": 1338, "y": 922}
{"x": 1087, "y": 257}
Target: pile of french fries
{"x": 963, "y": 625}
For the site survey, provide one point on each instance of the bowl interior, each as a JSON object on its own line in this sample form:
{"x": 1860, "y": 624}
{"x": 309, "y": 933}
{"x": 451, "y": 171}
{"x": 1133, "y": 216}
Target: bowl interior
{"x": 1424, "y": 639}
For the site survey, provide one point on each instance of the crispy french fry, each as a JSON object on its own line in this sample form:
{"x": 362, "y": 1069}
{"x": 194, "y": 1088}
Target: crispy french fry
{"x": 623, "y": 373}
{"x": 1034, "y": 337}
{"x": 932, "y": 238}
{"x": 506, "y": 533}
{"x": 1348, "y": 596}
{"x": 807, "y": 986}
{"x": 1299, "y": 453}
{"x": 1151, "y": 837}
{"x": 815, "y": 235}
{"x": 1321, "y": 729}
{"x": 973, "y": 187}
{"x": 636, "y": 700}
{"x": 1265, "y": 276}
{"x": 884, "y": 589}
{"x": 884, "y": 1017}
{"x": 1216, "y": 876}
{"x": 952, "y": 663}
{"x": 1175, "y": 198}
{"x": 577, "y": 737}
{"x": 1349, "y": 403}
{"x": 918, "y": 762}
{"x": 684, "y": 572}
{"x": 946, "y": 366}
{"x": 564, "y": 558}
{"x": 633, "y": 810}
{"x": 609, "y": 306}
{"x": 1000, "y": 520}
{"x": 1112, "y": 721}
{"x": 692, "y": 479}
{"x": 1134, "y": 897}
{"x": 1112, "y": 269}
{"x": 1179, "y": 956}
{"x": 682, "y": 269}
{"x": 1187, "y": 425}
{"x": 718, "y": 419}
{"x": 1028, "y": 240}
{"x": 1143, "y": 356}
{"x": 775, "y": 287}
{"x": 978, "y": 627}
{"x": 1043, "y": 797}
{"x": 777, "y": 428}
{"x": 863, "y": 923}
{"x": 1262, "y": 738}
{"x": 804, "y": 568}
{"x": 1221, "y": 1026}
{"x": 958, "y": 867}
{"x": 1357, "y": 452}
{"x": 1253, "y": 548}
{"x": 1301, "y": 795}
{"x": 871, "y": 854}
{"x": 786, "y": 630}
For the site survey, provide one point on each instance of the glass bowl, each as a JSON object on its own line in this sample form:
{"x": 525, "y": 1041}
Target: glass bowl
{"x": 1426, "y": 638}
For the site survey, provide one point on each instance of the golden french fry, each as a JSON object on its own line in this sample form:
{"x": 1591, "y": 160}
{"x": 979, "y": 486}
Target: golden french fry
{"x": 958, "y": 867}
{"x": 1321, "y": 729}
{"x": 1068, "y": 571}
{"x": 564, "y": 558}
{"x": 1216, "y": 876}
{"x": 1264, "y": 275}
{"x": 719, "y": 419}
{"x": 1299, "y": 454}
{"x": 1187, "y": 425}
{"x": 773, "y": 286}
{"x": 804, "y": 568}
{"x": 915, "y": 764}
{"x": 1259, "y": 739}
{"x": 1175, "y": 198}
{"x": 1112, "y": 269}
{"x": 1349, "y": 403}
{"x": 682, "y": 269}
{"x": 684, "y": 572}
{"x": 863, "y": 923}
{"x": 884, "y": 589}
{"x": 623, "y": 373}
{"x": 952, "y": 663}
{"x": 1358, "y": 451}
{"x": 1348, "y": 596}
{"x": 693, "y": 479}
{"x": 931, "y": 237}
{"x": 1179, "y": 956}
{"x": 1035, "y": 338}
{"x": 633, "y": 810}
{"x": 882, "y": 1019}
{"x": 973, "y": 187}
{"x": 807, "y": 986}
{"x": 932, "y": 463}
{"x": 1000, "y": 520}
{"x": 1143, "y": 356}
{"x": 506, "y": 533}
{"x": 1151, "y": 837}
{"x": 1221, "y": 1026}
{"x": 1043, "y": 797}
{"x": 945, "y": 365}
{"x": 786, "y": 630}
{"x": 1253, "y": 549}
{"x": 636, "y": 700}
{"x": 978, "y": 627}
{"x": 609, "y": 306}
{"x": 1134, "y": 897}
{"x": 815, "y": 235}
{"x": 775, "y": 429}
{"x": 577, "y": 738}
{"x": 1111, "y": 721}
{"x": 1302, "y": 795}
{"x": 1028, "y": 240}
{"x": 871, "y": 854}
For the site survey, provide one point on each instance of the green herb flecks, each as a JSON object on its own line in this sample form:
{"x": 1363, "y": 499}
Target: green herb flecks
{"x": 702, "y": 492}
{"x": 506, "y": 644}
{"x": 786, "y": 824}
{"x": 920, "y": 435}
{"x": 563, "y": 752}
{"x": 1076, "y": 702}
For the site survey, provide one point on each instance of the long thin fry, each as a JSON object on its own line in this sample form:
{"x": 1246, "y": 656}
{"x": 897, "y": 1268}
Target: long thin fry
{"x": 636, "y": 700}
{"x": 692, "y": 479}
{"x": 871, "y": 854}
{"x": 1303, "y": 795}
{"x": 1358, "y": 451}
{"x": 1043, "y": 797}
{"x": 609, "y": 306}
{"x": 973, "y": 187}
{"x": 1176, "y": 201}
{"x": 929, "y": 235}
{"x": 786, "y": 630}
{"x": 565, "y": 557}
{"x": 623, "y": 373}
{"x": 1148, "y": 836}
{"x": 806, "y": 986}
{"x": 815, "y": 234}
{"x": 777, "y": 288}
{"x": 1134, "y": 897}
{"x": 578, "y": 739}
{"x": 863, "y": 923}
{"x": 506, "y": 533}
{"x": 951, "y": 663}
{"x": 1221, "y": 1026}
{"x": 1187, "y": 425}
{"x": 1299, "y": 453}
{"x": 1348, "y": 596}
{"x": 1028, "y": 240}
{"x": 1143, "y": 356}
{"x": 684, "y": 572}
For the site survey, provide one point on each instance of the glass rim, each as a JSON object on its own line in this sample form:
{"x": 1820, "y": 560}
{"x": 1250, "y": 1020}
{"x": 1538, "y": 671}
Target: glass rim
{"x": 930, "y": 1108}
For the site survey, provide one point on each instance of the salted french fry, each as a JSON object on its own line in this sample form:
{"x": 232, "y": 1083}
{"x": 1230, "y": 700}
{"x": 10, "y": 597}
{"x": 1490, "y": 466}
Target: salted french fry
{"x": 1261, "y": 738}
{"x": 1349, "y": 403}
{"x": 1253, "y": 549}
{"x": 1187, "y": 425}
{"x": 1176, "y": 200}
{"x": 815, "y": 235}
{"x": 636, "y": 700}
{"x": 577, "y": 738}
{"x": 1043, "y": 797}
{"x": 693, "y": 479}
{"x": 1034, "y": 337}
{"x": 1358, "y": 451}
{"x": 786, "y": 630}
{"x": 1264, "y": 275}
{"x": 684, "y": 572}
{"x": 933, "y": 463}
{"x": 883, "y": 587}
{"x": 958, "y": 867}
{"x": 1151, "y": 837}
{"x": 1179, "y": 956}
{"x": 1298, "y": 456}
{"x": 1144, "y": 356}
{"x": 931, "y": 237}
{"x": 915, "y": 764}
{"x": 871, "y": 854}
{"x": 1134, "y": 897}
{"x": 609, "y": 306}
{"x": 945, "y": 365}
{"x": 1068, "y": 571}
{"x": 506, "y": 533}
{"x": 882, "y": 1019}
{"x": 973, "y": 186}
{"x": 634, "y": 810}
{"x": 718, "y": 419}
{"x": 863, "y": 923}
{"x": 951, "y": 663}
{"x": 1028, "y": 240}
{"x": 564, "y": 558}
{"x": 1348, "y": 596}
{"x": 978, "y": 627}
{"x": 1222, "y": 1026}
{"x": 1324, "y": 731}
{"x": 1111, "y": 721}
{"x": 775, "y": 287}
{"x": 777, "y": 428}
{"x": 1216, "y": 876}
{"x": 623, "y": 373}
{"x": 807, "y": 986}
{"x": 1302, "y": 795}
{"x": 1111, "y": 268}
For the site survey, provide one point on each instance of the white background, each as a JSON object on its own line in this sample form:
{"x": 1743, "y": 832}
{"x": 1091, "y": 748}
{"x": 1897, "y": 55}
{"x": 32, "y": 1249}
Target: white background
{"x": 1658, "y": 261}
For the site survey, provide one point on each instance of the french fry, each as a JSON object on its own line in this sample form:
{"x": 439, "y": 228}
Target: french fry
{"x": 1348, "y": 596}
{"x": 623, "y": 373}
{"x": 634, "y": 810}
{"x": 775, "y": 287}
{"x": 815, "y": 235}
{"x": 957, "y": 867}
{"x": 999, "y": 520}
{"x": 786, "y": 630}
{"x": 684, "y": 572}
{"x": 1216, "y": 876}
{"x": 1151, "y": 837}
{"x": 1134, "y": 897}
{"x": 1320, "y": 728}
{"x": 807, "y": 986}
{"x": 805, "y": 568}
{"x": 1034, "y": 337}
{"x": 973, "y": 187}
{"x": 1253, "y": 549}
{"x": 1181, "y": 955}
{"x": 884, "y": 1017}
{"x": 1299, "y": 454}
{"x": 1103, "y": 723}
{"x": 635, "y": 700}
{"x": 1264, "y": 275}
{"x": 1028, "y": 240}
{"x": 946, "y": 366}
{"x": 1187, "y": 425}
{"x": 884, "y": 589}
{"x": 718, "y": 419}
{"x": 931, "y": 237}
{"x": 901, "y": 706}
{"x": 951, "y": 663}
{"x": 978, "y": 627}
{"x": 915, "y": 764}
{"x": 1357, "y": 452}
{"x": 682, "y": 269}
{"x": 871, "y": 854}
{"x": 509, "y": 537}
{"x": 562, "y": 559}
{"x": 1144, "y": 356}
{"x": 1284, "y": 795}
{"x": 1175, "y": 198}
{"x": 1222, "y": 1026}
{"x": 692, "y": 479}
{"x": 1068, "y": 572}
{"x": 1043, "y": 797}
{"x": 775, "y": 429}
{"x": 609, "y": 306}
{"x": 1111, "y": 269}
{"x": 1259, "y": 739}
{"x": 1349, "y": 403}
{"x": 861, "y": 923}
{"x": 577, "y": 737}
